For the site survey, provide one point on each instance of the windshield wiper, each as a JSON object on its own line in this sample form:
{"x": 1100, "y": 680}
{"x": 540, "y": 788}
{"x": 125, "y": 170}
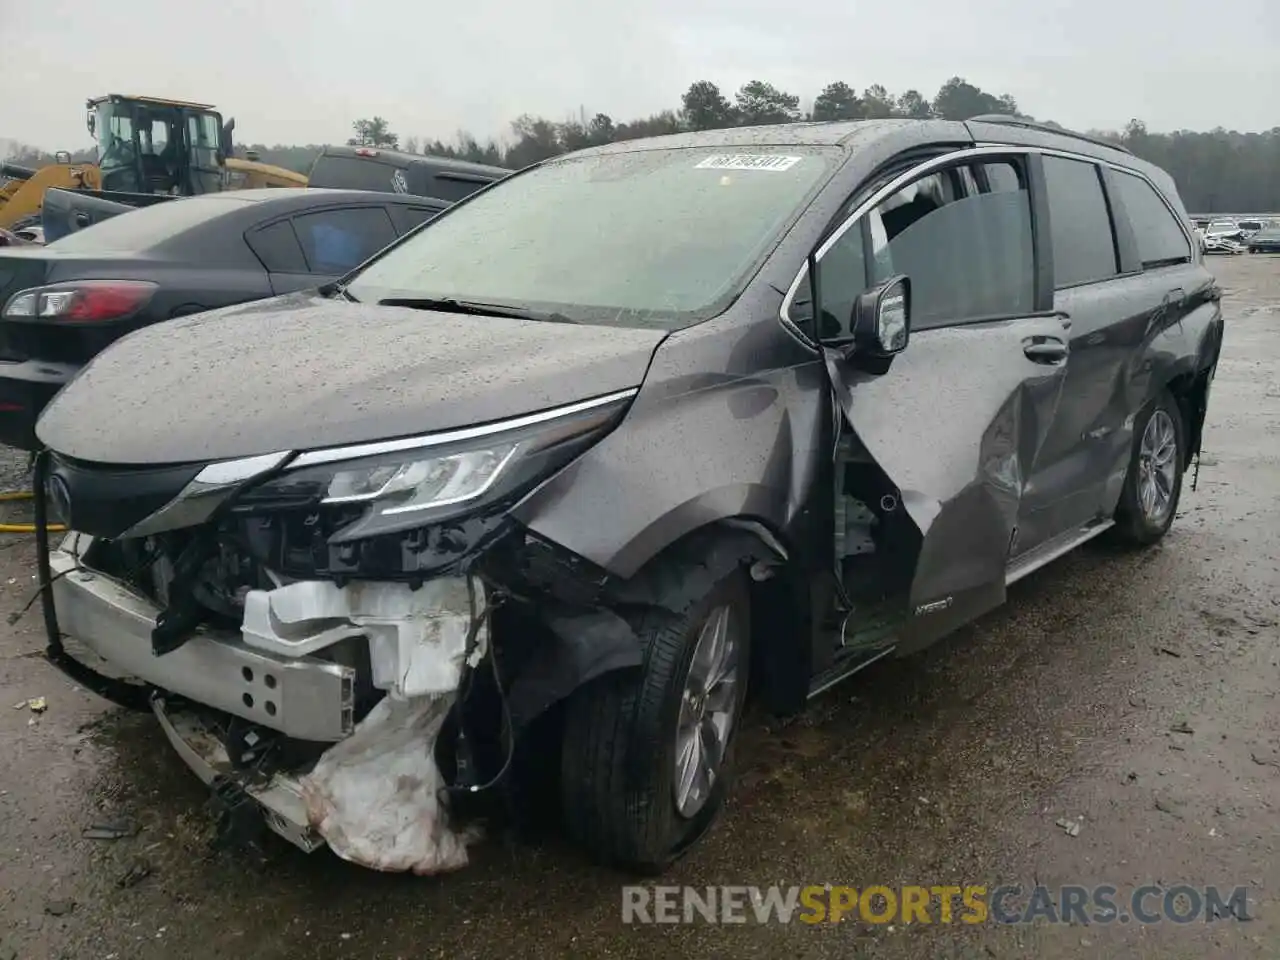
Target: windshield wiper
{"x": 475, "y": 308}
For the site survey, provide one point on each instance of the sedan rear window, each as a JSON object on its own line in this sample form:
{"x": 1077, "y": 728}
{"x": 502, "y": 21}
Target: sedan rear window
{"x": 147, "y": 227}
{"x": 653, "y": 237}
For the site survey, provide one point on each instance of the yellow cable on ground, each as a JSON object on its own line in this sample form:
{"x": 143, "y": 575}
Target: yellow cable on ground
{"x": 24, "y": 527}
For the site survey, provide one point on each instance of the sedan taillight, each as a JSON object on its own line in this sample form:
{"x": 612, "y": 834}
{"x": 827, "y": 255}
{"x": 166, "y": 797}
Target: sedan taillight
{"x": 83, "y": 301}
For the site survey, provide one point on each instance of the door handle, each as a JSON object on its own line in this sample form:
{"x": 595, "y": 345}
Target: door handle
{"x": 1045, "y": 350}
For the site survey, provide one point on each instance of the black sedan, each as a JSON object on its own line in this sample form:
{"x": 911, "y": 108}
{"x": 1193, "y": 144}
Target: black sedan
{"x": 65, "y": 302}
{"x": 1266, "y": 240}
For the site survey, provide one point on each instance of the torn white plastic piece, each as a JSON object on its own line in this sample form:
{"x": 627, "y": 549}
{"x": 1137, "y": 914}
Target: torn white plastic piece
{"x": 374, "y": 796}
{"x": 417, "y": 638}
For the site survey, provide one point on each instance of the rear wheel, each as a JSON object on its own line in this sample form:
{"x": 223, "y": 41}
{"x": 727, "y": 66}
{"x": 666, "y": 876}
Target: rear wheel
{"x": 647, "y": 753}
{"x": 1153, "y": 484}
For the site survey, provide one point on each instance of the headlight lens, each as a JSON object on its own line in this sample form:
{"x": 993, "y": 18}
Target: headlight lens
{"x": 421, "y": 484}
{"x": 357, "y": 493}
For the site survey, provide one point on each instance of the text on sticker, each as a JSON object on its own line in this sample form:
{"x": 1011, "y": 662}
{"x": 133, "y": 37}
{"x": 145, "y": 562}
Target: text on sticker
{"x": 748, "y": 161}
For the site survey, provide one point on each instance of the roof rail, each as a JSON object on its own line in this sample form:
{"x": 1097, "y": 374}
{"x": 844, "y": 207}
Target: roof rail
{"x": 1009, "y": 120}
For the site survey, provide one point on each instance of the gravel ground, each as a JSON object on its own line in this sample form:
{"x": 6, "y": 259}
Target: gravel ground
{"x": 1134, "y": 695}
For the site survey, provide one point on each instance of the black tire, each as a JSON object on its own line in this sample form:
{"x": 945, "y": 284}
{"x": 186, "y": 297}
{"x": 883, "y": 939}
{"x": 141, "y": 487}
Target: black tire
{"x": 1135, "y": 526}
{"x": 619, "y": 748}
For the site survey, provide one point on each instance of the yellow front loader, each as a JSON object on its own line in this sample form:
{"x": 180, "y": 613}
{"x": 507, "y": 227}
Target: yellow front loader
{"x": 22, "y": 188}
{"x": 149, "y": 149}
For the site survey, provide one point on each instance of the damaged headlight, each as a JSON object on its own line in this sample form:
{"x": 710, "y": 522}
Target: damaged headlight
{"x": 439, "y": 481}
{"x": 381, "y": 488}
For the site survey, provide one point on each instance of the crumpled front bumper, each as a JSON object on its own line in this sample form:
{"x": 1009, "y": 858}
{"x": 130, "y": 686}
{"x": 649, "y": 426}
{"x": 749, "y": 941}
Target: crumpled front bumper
{"x": 373, "y": 794}
{"x": 303, "y": 697}
{"x": 279, "y": 799}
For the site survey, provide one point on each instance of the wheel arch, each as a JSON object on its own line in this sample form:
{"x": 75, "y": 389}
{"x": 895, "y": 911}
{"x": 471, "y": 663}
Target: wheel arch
{"x": 585, "y": 644}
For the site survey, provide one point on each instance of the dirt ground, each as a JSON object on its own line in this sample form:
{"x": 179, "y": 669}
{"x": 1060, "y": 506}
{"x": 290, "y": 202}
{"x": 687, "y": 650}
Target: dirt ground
{"x": 1132, "y": 694}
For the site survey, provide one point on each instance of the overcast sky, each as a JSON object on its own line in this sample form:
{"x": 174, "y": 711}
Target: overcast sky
{"x": 291, "y": 71}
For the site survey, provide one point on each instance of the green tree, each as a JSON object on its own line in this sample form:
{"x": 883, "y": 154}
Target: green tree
{"x": 601, "y": 129}
{"x": 913, "y": 104}
{"x": 877, "y": 104}
{"x": 373, "y": 132}
{"x": 536, "y": 139}
{"x": 759, "y": 103}
{"x": 960, "y": 100}
{"x": 705, "y": 108}
{"x": 837, "y": 101}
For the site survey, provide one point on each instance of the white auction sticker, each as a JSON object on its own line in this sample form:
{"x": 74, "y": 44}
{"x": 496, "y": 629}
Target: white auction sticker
{"x": 748, "y": 161}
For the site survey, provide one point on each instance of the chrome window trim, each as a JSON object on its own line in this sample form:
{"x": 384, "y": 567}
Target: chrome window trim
{"x": 936, "y": 163}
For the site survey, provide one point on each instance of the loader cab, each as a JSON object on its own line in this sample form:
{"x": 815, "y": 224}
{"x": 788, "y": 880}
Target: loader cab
{"x": 152, "y": 146}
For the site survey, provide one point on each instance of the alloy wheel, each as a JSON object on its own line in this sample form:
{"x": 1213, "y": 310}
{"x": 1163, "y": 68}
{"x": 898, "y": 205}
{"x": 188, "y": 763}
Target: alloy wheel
{"x": 1157, "y": 467}
{"x": 708, "y": 711}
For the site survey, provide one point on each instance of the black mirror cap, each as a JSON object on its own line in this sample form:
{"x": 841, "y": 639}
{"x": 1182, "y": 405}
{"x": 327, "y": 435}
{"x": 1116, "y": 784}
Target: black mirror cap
{"x": 881, "y": 322}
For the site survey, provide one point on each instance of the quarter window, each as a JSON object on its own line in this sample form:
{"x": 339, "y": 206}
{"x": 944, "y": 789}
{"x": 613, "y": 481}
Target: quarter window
{"x": 1160, "y": 239}
{"x": 277, "y": 247}
{"x": 407, "y": 218}
{"x": 1084, "y": 248}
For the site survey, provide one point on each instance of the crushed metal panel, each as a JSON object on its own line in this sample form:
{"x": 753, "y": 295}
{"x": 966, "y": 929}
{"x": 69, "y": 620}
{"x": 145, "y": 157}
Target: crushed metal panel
{"x": 957, "y": 423}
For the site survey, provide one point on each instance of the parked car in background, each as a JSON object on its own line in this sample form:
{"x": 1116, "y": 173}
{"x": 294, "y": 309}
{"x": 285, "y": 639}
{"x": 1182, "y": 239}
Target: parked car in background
{"x": 1266, "y": 240}
{"x": 62, "y": 303}
{"x": 631, "y": 432}
{"x": 1224, "y": 236}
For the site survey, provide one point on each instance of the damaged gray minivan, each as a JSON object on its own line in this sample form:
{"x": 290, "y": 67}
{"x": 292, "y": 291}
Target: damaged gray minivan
{"x": 609, "y": 444}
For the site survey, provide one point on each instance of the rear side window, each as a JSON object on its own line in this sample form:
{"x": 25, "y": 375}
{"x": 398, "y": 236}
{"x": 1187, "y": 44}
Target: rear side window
{"x": 406, "y": 218}
{"x": 1160, "y": 239}
{"x": 353, "y": 173}
{"x": 1084, "y": 248}
{"x": 335, "y": 241}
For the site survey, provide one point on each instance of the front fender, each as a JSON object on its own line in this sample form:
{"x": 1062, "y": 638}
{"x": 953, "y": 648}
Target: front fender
{"x": 694, "y": 448}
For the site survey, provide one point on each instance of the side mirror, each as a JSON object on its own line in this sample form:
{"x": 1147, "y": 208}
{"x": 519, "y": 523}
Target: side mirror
{"x": 881, "y": 322}
{"x": 62, "y": 156}
{"x": 91, "y": 122}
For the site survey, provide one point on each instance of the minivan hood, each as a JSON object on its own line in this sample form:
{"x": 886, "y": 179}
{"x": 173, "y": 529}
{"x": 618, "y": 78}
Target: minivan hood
{"x": 302, "y": 371}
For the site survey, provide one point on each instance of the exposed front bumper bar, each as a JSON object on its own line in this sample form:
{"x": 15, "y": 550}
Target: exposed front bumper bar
{"x": 303, "y": 697}
{"x": 279, "y": 799}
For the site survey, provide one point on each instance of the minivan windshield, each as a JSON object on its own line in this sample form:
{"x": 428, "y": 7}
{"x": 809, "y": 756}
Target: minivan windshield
{"x": 661, "y": 237}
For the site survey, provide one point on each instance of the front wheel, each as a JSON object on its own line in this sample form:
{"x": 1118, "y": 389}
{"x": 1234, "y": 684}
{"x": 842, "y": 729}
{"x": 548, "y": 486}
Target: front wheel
{"x": 1153, "y": 483}
{"x": 647, "y": 753}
